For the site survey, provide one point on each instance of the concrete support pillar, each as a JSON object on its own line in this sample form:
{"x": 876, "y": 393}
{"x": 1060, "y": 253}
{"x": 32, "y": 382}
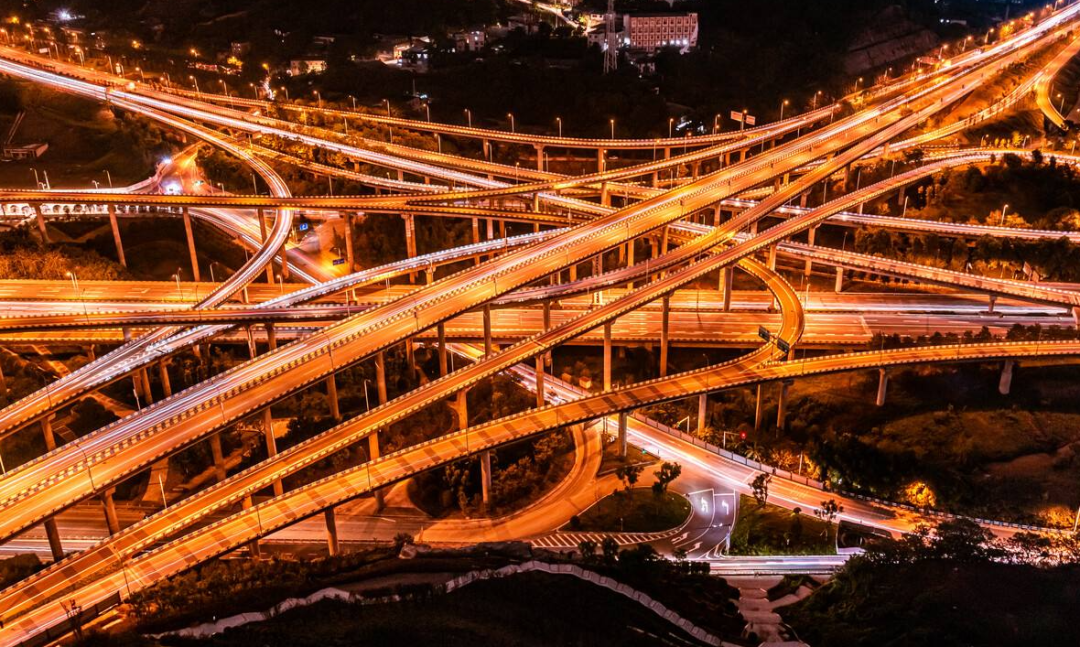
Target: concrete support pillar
{"x": 622, "y": 433}
{"x": 475, "y": 230}
{"x": 540, "y": 391}
{"x": 601, "y": 163}
{"x": 331, "y": 395}
{"x": 607, "y": 356}
{"x": 839, "y": 280}
{"x": 144, "y": 378}
{"x": 218, "y": 456}
{"x": 781, "y": 407}
{"x": 664, "y": 329}
{"x": 702, "y": 411}
{"x": 410, "y": 240}
{"x": 253, "y": 546}
{"x": 882, "y": 385}
{"x": 51, "y": 531}
{"x": 489, "y": 347}
{"x": 772, "y": 257}
{"x": 759, "y": 410}
{"x": 718, "y": 215}
{"x": 271, "y": 335}
{"x": 605, "y": 194}
{"x": 811, "y": 237}
{"x": 373, "y": 446}
{"x": 1005, "y": 383}
{"x": 485, "y": 476}
{"x": 331, "y": 532}
{"x": 442, "y": 349}
{"x": 261, "y": 215}
{"x": 163, "y": 375}
{"x": 191, "y": 246}
{"x": 350, "y": 252}
{"x": 490, "y": 224}
{"x": 40, "y": 218}
{"x": 380, "y": 375}
{"x": 727, "y": 275}
{"x": 990, "y": 306}
{"x": 540, "y": 158}
{"x": 116, "y": 235}
{"x": 253, "y": 351}
{"x": 271, "y": 445}
{"x": 112, "y": 522}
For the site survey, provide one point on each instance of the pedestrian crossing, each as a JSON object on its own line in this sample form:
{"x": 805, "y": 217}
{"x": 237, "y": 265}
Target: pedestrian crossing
{"x": 574, "y": 539}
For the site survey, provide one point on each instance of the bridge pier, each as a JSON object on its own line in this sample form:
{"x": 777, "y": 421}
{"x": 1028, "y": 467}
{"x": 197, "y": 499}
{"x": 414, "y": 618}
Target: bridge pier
{"x": 540, "y": 157}
{"x": 271, "y": 335}
{"x": 883, "y": 383}
{"x": 839, "y": 287}
{"x": 811, "y": 237}
{"x": 664, "y": 329}
{"x": 271, "y": 445}
{"x": 51, "y": 531}
{"x": 350, "y": 252}
{"x": 380, "y": 375}
{"x": 116, "y": 235}
{"x": 1005, "y": 383}
{"x": 540, "y": 392}
{"x": 727, "y": 275}
{"x": 163, "y": 375}
{"x": 144, "y": 381}
{"x": 781, "y": 407}
{"x": 261, "y": 215}
{"x": 772, "y": 257}
{"x": 702, "y": 411}
{"x": 112, "y": 522}
{"x": 40, "y": 218}
{"x": 252, "y": 350}
{"x": 410, "y": 240}
{"x": 601, "y": 161}
{"x": 191, "y": 245}
{"x": 441, "y": 328}
{"x": 991, "y": 304}
{"x": 605, "y": 194}
{"x": 332, "y": 547}
{"x": 253, "y": 545}
{"x": 759, "y": 410}
{"x": 607, "y": 356}
{"x": 218, "y": 456}
{"x": 622, "y": 433}
{"x": 332, "y": 396}
{"x": 489, "y": 346}
{"x": 485, "y": 476}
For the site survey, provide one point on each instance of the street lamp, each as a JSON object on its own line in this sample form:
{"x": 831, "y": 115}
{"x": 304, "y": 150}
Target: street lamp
{"x": 196, "y": 82}
{"x": 1003, "y": 210}
{"x": 858, "y": 83}
{"x": 612, "y": 128}
{"x": 558, "y": 121}
{"x": 179, "y": 291}
{"x": 318, "y": 97}
{"x": 513, "y": 126}
{"x": 742, "y": 124}
{"x": 1061, "y": 103}
{"x": 427, "y": 108}
{"x": 784, "y": 103}
{"x": 816, "y": 96}
{"x": 670, "y": 124}
{"x": 225, "y": 88}
{"x": 286, "y": 91}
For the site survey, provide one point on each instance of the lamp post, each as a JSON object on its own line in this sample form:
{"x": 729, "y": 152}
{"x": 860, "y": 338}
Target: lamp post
{"x": 513, "y": 126}
{"x": 612, "y": 128}
{"x": 1003, "y": 210}
{"x": 784, "y": 103}
{"x": 468, "y": 117}
{"x": 195, "y": 82}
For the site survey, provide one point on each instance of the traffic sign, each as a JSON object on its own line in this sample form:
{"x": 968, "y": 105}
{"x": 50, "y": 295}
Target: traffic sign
{"x": 783, "y": 345}
{"x": 763, "y": 332}
{"x": 303, "y": 226}
{"x": 739, "y": 116}
{"x": 339, "y": 261}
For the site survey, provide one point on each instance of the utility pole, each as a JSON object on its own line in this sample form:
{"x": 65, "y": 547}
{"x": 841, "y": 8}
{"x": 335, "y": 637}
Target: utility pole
{"x": 611, "y": 49}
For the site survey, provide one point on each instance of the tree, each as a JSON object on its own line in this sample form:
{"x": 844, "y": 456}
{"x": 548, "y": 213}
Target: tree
{"x": 828, "y": 512}
{"x": 588, "y": 550}
{"x": 760, "y": 487}
{"x": 610, "y": 550}
{"x": 668, "y": 472}
{"x": 629, "y": 474}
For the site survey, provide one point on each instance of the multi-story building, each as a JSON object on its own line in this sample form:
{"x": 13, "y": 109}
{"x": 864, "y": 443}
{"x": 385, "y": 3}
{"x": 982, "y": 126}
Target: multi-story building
{"x": 654, "y": 31}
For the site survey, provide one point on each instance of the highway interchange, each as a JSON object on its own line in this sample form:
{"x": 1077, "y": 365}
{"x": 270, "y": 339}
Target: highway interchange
{"x": 328, "y": 325}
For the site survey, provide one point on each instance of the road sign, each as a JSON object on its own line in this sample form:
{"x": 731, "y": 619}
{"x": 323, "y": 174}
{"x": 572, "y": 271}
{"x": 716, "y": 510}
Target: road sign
{"x": 783, "y": 345}
{"x": 339, "y": 261}
{"x": 303, "y": 226}
{"x": 763, "y": 332}
{"x": 738, "y": 116}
